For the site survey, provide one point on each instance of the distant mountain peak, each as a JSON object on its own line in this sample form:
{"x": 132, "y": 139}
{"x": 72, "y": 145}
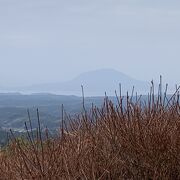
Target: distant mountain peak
{"x": 103, "y": 71}
{"x": 101, "y": 75}
{"x": 95, "y": 83}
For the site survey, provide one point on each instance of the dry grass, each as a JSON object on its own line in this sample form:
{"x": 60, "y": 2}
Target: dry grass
{"x": 139, "y": 141}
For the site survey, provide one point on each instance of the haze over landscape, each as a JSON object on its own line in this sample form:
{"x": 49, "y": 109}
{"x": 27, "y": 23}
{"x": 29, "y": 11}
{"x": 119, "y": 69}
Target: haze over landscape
{"x": 83, "y": 91}
{"x": 43, "y": 41}
{"x": 54, "y": 47}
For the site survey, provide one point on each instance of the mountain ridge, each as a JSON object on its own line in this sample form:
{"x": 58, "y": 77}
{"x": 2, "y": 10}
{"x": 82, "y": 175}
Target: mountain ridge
{"x": 95, "y": 83}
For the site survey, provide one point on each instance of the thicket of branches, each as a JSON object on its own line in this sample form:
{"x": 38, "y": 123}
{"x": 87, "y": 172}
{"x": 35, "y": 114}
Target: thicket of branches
{"x": 135, "y": 140}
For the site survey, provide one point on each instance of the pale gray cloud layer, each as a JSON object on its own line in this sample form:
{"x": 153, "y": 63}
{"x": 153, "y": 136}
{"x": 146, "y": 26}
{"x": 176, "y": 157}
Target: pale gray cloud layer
{"x": 54, "y": 40}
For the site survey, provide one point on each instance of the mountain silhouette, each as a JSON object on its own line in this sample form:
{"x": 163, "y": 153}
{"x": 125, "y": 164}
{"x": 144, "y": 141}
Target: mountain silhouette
{"x": 95, "y": 83}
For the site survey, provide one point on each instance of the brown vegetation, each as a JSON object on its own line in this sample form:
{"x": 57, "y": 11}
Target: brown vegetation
{"x": 140, "y": 140}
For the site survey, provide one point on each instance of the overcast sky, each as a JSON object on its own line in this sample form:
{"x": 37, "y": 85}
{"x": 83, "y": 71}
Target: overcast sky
{"x": 55, "y": 40}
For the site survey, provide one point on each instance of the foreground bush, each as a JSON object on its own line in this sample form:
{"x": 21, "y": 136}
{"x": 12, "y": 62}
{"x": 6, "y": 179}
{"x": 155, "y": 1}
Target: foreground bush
{"x": 135, "y": 140}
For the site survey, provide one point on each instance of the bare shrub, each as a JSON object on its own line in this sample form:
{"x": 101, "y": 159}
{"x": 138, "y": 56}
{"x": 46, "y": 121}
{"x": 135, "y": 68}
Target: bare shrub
{"x": 135, "y": 140}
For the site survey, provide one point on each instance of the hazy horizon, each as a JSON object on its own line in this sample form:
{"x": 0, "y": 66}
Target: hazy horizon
{"x": 44, "y": 41}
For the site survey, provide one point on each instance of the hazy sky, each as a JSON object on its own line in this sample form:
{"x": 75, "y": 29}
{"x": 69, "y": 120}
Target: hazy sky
{"x": 54, "y": 40}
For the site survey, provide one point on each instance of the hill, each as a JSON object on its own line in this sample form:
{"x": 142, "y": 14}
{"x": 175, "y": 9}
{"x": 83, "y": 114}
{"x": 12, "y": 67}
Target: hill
{"x": 95, "y": 84}
{"x": 13, "y": 108}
